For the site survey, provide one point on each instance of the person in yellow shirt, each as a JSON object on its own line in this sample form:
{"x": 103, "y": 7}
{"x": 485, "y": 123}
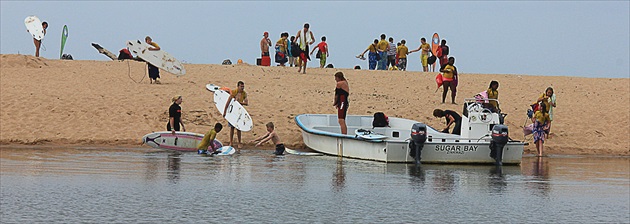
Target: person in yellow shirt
{"x": 207, "y": 146}
{"x": 281, "y": 49}
{"x": 402, "y": 52}
{"x": 382, "y": 48}
{"x": 449, "y": 77}
{"x": 424, "y": 56}
{"x": 541, "y": 125}
{"x": 239, "y": 95}
{"x": 372, "y": 56}
{"x": 493, "y": 93}
{"x": 154, "y": 72}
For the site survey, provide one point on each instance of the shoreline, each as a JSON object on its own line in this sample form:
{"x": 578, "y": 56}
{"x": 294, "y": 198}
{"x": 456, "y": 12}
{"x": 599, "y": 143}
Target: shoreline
{"x": 49, "y": 102}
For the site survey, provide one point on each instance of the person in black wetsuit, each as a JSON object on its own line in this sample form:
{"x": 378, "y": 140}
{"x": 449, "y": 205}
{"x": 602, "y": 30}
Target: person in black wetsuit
{"x": 175, "y": 115}
{"x": 451, "y": 117}
{"x": 342, "y": 91}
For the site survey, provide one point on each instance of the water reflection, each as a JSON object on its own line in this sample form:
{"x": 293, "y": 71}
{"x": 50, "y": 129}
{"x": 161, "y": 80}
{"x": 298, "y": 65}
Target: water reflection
{"x": 540, "y": 177}
{"x": 339, "y": 176}
{"x": 173, "y": 162}
{"x": 496, "y": 179}
{"x": 418, "y": 175}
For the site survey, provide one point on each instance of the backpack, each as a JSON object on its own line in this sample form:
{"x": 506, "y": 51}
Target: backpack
{"x": 295, "y": 49}
{"x": 226, "y": 62}
{"x": 380, "y": 120}
{"x": 124, "y": 54}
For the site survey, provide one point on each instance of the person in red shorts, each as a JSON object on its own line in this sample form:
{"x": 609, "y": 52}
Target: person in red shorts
{"x": 304, "y": 38}
{"x": 342, "y": 91}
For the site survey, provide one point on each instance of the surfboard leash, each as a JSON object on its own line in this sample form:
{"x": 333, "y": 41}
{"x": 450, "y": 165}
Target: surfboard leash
{"x": 129, "y": 72}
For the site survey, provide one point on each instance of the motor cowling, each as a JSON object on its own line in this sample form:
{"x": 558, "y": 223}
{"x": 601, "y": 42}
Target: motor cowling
{"x": 418, "y": 137}
{"x": 499, "y": 140}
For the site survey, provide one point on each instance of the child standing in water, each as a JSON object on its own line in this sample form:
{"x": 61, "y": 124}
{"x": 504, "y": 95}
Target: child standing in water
{"x": 271, "y": 135}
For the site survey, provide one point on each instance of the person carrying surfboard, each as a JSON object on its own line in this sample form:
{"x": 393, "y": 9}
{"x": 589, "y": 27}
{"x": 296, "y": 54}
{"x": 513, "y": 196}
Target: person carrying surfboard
{"x": 38, "y": 43}
{"x": 206, "y": 146}
{"x": 273, "y": 136}
{"x": 154, "y": 72}
{"x": 239, "y": 95}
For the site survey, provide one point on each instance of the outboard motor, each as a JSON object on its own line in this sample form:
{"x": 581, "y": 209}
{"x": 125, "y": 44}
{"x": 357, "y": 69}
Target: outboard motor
{"x": 418, "y": 137}
{"x": 499, "y": 139}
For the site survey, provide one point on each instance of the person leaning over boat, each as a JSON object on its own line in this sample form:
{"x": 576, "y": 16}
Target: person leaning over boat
{"x": 342, "y": 91}
{"x": 451, "y": 117}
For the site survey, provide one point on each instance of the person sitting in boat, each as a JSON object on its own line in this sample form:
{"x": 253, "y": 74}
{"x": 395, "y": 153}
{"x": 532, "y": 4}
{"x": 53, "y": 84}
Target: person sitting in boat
{"x": 451, "y": 117}
{"x": 493, "y": 93}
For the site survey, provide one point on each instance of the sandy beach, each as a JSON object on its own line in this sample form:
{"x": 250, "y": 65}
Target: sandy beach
{"x": 57, "y": 102}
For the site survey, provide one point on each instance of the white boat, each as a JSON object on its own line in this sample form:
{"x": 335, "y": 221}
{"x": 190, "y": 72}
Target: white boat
{"x": 321, "y": 132}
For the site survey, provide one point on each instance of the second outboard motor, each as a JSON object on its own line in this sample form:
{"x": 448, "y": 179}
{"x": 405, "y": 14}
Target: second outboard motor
{"x": 499, "y": 140}
{"x": 418, "y": 137}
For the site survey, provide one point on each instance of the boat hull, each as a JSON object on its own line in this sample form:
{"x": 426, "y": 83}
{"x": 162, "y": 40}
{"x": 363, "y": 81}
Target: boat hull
{"x": 318, "y": 134}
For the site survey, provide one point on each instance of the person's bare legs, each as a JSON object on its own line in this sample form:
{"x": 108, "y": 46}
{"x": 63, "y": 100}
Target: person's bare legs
{"x": 453, "y": 93}
{"x": 238, "y": 134}
{"x": 231, "y": 135}
{"x": 344, "y": 128}
{"x": 539, "y": 148}
{"x": 38, "y": 44}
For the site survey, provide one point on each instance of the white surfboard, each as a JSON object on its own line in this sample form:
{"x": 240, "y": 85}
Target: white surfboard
{"x": 368, "y": 134}
{"x": 34, "y": 27}
{"x": 159, "y": 59}
{"x": 181, "y": 141}
{"x": 300, "y": 153}
{"x": 236, "y": 113}
{"x": 226, "y": 151}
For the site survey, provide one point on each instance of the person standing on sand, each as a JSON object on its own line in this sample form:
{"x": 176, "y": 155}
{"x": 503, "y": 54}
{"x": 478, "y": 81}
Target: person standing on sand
{"x": 241, "y": 96}
{"x": 281, "y": 49}
{"x": 265, "y": 43}
{"x": 323, "y": 52}
{"x": 342, "y": 91}
{"x": 552, "y": 104}
{"x": 291, "y": 45}
{"x": 371, "y": 56}
{"x": 175, "y": 115}
{"x": 273, "y": 136}
{"x": 402, "y": 52}
{"x": 38, "y": 43}
{"x": 382, "y": 47}
{"x": 442, "y": 54}
{"x": 424, "y": 56}
{"x": 305, "y": 38}
{"x": 391, "y": 53}
{"x": 449, "y": 78}
{"x": 154, "y": 72}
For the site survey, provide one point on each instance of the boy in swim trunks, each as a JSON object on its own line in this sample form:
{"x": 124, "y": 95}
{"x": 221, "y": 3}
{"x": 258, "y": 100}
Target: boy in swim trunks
{"x": 271, "y": 135}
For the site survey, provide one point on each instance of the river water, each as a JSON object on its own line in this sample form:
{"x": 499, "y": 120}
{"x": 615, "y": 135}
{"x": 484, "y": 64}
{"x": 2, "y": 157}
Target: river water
{"x": 143, "y": 185}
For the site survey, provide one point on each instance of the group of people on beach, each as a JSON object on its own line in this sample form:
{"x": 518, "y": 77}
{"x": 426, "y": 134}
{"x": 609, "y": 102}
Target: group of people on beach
{"x": 294, "y": 50}
{"x": 175, "y": 124}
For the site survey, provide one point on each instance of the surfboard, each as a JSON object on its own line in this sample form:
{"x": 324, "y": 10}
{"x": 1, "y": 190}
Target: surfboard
{"x": 368, "y": 134}
{"x": 236, "y": 113}
{"x": 159, "y": 59}
{"x": 181, "y": 141}
{"x": 104, "y": 51}
{"x": 435, "y": 43}
{"x": 34, "y": 27}
{"x": 64, "y": 37}
{"x": 225, "y": 151}
{"x": 300, "y": 153}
